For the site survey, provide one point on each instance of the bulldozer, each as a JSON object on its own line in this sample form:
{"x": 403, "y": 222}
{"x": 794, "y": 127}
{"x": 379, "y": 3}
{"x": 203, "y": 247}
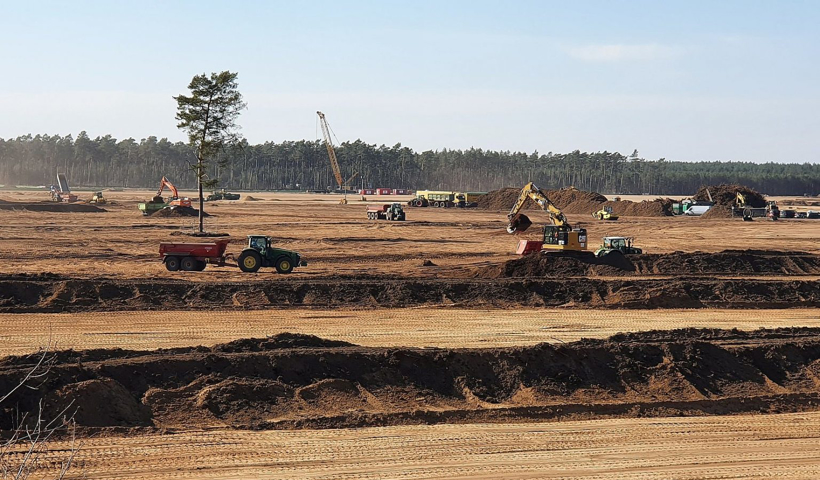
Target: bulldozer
{"x": 98, "y": 199}
{"x": 605, "y": 214}
{"x": 558, "y": 237}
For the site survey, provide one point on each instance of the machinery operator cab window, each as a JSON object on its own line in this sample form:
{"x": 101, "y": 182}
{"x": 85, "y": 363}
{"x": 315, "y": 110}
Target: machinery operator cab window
{"x": 259, "y": 243}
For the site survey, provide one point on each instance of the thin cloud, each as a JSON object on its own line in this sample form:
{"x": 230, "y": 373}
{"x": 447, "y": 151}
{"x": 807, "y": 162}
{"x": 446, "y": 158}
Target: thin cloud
{"x": 622, "y": 53}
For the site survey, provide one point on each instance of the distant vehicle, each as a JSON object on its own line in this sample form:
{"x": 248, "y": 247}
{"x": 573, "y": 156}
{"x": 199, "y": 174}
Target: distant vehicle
{"x": 697, "y": 210}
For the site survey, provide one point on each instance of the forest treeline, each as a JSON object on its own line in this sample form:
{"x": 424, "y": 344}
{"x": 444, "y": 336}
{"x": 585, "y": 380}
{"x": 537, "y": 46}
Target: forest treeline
{"x": 106, "y": 162}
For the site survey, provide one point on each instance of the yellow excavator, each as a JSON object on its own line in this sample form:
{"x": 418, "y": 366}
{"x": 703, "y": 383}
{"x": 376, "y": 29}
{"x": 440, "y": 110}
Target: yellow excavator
{"x": 560, "y": 236}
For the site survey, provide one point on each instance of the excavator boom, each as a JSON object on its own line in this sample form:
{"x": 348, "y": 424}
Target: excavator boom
{"x": 165, "y": 183}
{"x": 520, "y": 222}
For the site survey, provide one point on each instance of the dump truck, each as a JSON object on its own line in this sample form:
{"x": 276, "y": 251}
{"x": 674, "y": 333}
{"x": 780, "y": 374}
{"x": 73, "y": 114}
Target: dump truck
{"x": 438, "y": 199}
{"x": 259, "y": 253}
{"x": 390, "y": 211}
{"x": 222, "y": 194}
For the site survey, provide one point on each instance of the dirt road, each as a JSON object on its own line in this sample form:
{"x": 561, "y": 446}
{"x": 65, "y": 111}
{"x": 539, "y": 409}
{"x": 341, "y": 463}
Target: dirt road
{"x": 411, "y": 327}
{"x": 742, "y": 446}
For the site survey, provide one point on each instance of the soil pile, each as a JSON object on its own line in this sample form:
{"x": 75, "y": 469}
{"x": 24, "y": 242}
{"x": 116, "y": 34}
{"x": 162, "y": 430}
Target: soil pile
{"x": 268, "y": 384}
{"x": 178, "y": 212}
{"x": 726, "y": 195}
{"x": 248, "y": 198}
{"x": 728, "y": 262}
{"x": 36, "y": 294}
{"x": 58, "y": 207}
{"x": 574, "y": 201}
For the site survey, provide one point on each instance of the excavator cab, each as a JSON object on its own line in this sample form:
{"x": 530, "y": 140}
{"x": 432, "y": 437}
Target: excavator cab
{"x": 564, "y": 237}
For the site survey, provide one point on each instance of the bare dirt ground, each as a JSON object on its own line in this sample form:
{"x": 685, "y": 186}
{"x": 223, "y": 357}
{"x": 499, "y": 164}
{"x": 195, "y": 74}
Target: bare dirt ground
{"x": 395, "y": 327}
{"x": 338, "y": 239}
{"x": 718, "y": 447}
{"x": 93, "y": 280}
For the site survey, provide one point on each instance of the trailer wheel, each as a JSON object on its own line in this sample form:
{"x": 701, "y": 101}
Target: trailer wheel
{"x": 172, "y": 263}
{"x": 188, "y": 264}
{"x": 284, "y": 265}
{"x": 250, "y": 261}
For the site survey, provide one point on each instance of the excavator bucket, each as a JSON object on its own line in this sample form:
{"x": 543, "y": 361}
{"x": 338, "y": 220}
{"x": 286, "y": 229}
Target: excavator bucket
{"x": 519, "y": 223}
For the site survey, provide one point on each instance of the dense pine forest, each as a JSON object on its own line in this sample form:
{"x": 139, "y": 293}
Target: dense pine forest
{"x": 106, "y": 162}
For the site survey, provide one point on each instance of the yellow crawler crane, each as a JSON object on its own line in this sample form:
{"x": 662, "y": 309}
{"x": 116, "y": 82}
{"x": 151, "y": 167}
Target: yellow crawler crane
{"x": 560, "y": 236}
{"x": 337, "y": 172}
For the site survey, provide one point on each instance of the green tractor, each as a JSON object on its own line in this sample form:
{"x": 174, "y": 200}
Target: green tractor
{"x": 621, "y": 245}
{"x": 260, "y": 253}
{"x": 222, "y": 195}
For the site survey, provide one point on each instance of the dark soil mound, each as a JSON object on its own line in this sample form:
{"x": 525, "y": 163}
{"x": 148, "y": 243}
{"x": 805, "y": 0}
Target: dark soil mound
{"x": 728, "y": 262}
{"x": 179, "y": 212}
{"x": 658, "y": 373}
{"x": 726, "y": 195}
{"x": 572, "y": 200}
{"x": 57, "y": 207}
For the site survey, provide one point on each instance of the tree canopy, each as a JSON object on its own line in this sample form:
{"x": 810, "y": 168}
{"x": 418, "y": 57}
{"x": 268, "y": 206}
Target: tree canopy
{"x": 303, "y": 165}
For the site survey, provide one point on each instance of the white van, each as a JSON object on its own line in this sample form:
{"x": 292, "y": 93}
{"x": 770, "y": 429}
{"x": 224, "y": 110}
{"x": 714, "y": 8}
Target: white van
{"x": 697, "y": 210}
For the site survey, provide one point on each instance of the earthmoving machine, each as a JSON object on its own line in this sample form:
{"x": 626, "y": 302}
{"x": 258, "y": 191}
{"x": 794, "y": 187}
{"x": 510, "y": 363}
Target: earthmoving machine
{"x": 560, "y": 236}
{"x": 98, "y": 199}
{"x": 331, "y": 152}
{"x": 617, "y": 245}
{"x": 62, "y": 192}
{"x": 605, "y": 214}
{"x": 158, "y": 203}
{"x": 771, "y": 210}
{"x": 392, "y": 212}
{"x": 222, "y": 194}
{"x": 438, "y": 199}
{"x": 259, "y": 253}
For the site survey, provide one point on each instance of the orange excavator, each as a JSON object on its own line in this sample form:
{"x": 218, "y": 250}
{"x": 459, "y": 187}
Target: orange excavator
{"x": 158, "y": 203}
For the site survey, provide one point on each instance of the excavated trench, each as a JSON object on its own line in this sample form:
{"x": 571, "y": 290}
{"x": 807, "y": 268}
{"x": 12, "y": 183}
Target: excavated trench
{"x": 296, "y": 381}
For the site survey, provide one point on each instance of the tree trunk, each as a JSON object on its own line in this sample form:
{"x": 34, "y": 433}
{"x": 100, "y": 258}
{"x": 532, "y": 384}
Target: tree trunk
{"x": 201, "y": 197}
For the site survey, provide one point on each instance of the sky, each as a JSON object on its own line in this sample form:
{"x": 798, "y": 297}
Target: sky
{"x": 681, "y": 80}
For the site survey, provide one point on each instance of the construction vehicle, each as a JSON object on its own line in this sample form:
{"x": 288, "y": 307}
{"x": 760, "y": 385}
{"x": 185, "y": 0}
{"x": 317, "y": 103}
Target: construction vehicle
{"x": 98, "y": 199}
{"x": 259, "y": 253}
{"x": 62, "y": 192}
{"x": 605, "y": 214}
{"x": 438, "y": 199}
{"x": 622, "y": 245}
{"x": 222, "y": 194}
{"x": 158, "y": 203}
{"x": 331, "y": 152}
{"x": 560, "y": 236}
{"x": 392, "y": 212}
{"x": 771, "y": 210}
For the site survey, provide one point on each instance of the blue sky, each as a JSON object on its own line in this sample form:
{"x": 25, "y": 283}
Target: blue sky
{"x": 719, "y": 80}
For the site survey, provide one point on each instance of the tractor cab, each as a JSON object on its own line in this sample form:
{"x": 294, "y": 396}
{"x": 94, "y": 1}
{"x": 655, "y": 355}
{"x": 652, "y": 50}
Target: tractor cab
{"x": 260, "y": 243}
{"x": 617, "y": 244}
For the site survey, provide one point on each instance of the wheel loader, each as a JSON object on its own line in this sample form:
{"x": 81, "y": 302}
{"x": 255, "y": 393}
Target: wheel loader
{"x": 605, "y": 214}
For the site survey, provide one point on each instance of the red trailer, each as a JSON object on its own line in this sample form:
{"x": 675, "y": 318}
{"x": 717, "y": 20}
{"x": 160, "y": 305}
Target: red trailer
{"x": 384, "y": 191}
{"x": 193, "y": 256}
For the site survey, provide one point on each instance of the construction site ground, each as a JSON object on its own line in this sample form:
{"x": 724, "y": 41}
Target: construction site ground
{"x": 732, "y": 401}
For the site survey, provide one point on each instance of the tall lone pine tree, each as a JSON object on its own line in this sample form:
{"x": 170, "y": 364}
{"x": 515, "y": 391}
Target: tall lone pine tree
{"x": 209, "y": 116}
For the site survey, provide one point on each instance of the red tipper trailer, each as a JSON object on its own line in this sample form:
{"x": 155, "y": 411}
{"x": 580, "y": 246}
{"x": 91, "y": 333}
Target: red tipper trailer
{"x": 194, "y": 256}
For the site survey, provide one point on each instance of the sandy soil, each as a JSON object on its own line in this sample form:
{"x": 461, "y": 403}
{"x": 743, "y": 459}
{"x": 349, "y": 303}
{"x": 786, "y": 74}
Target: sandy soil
{"x": 412, "y": 327}
{"x": 720, "y": 447}
{"x": 338, "y": 239}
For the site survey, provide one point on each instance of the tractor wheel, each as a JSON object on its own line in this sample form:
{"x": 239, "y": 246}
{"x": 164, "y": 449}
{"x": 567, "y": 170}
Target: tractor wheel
{"x": 284, "y": 265}
{"x": 250, "y": 261}
{"x": 172, "y": 263}
{"x": 188, "y": 264}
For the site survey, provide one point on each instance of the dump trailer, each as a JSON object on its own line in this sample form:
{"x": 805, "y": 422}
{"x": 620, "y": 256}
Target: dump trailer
{"x": 390, "y": 211}
{"x": 259, "y": 253}
{"x": 438, "y": 199}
